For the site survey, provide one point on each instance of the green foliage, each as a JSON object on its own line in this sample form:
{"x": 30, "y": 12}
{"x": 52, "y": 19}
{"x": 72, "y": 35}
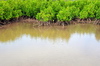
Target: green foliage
{"x": 50, "y": 10}
{"x": 67, "y": 14}
{"x": 46, "y": 14}
{"x": 1, "y": 12}
{"x": 98, "y": 14}
{"x": 64, "y": 15}
{"x": 88, "y": 11}
{"x": 7, "y": 10}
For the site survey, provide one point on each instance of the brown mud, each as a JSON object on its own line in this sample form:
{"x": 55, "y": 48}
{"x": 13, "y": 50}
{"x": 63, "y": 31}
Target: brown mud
{"x": 55, "y": 23}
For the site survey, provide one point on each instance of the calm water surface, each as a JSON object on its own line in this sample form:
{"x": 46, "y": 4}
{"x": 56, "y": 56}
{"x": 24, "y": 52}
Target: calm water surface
{"x": 21, "y": 44}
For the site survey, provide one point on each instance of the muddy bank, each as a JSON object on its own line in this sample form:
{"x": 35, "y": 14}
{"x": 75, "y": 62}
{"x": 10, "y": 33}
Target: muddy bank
{"x": 62, "y": 23}
{"x": 55, "y": 23}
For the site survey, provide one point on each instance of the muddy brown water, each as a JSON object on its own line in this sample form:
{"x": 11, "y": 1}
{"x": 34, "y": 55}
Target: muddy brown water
{"x": 22, "y": 44}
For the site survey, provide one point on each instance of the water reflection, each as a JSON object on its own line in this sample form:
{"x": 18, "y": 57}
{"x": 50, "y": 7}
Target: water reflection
{"x": 15, "y": 31}
{"x": 22, "y": 44}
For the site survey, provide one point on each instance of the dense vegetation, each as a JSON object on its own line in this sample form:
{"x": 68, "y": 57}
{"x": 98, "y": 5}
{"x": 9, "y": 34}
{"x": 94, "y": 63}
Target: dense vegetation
{"x": 50, "y": 10}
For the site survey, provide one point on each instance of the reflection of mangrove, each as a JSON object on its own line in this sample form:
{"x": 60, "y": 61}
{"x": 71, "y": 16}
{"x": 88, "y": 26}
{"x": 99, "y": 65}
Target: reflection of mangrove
{"x": 98, "y": 33}
{"x": 17, "y": 30}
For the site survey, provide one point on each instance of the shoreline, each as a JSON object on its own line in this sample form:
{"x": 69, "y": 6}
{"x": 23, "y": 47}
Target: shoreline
{"x": 55, "y": 23}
